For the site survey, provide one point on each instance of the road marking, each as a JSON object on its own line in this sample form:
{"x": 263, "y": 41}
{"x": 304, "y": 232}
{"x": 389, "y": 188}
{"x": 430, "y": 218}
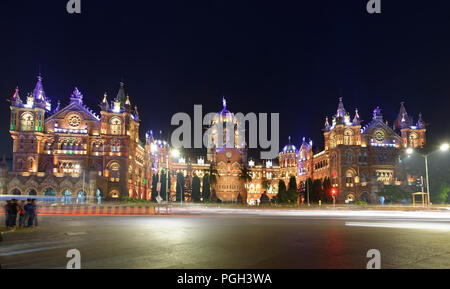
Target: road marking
{"x": 76, "y": 233}
{"x": 429, "y": 226}
{"x": 31, "y": 251}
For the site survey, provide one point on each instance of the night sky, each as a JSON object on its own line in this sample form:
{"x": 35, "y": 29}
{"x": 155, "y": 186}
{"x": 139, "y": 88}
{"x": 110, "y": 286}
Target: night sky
{"x": 291, "y": 57}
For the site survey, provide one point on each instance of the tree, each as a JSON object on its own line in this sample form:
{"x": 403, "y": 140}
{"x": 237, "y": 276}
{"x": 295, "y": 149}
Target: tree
{"x": 308, "y": 188}
{"x": 292, "y": 194}
{"x": 211, "y": 177}
{"x": 206, "y": 191}
{"x": 180, "y": 187}
{"x": 244, "y": 174}
{"x": 154, "y": 187}
{"x": 316, "y": 191}
{"x": 196, "y": 189}
{"x": 282, "y": 195}
{"x": 395, "y": 193}
{"x": 327, "y": 190}
{"x": 163, "y": 194}
{"x": 239, "y": 199}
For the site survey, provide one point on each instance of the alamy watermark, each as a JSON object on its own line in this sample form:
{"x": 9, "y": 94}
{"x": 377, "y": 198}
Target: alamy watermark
{"x": 75, "y": 261}
{"x": 226, "y": 130}
{"x": 73, "y": 6}
{"x": 374, "y": 6}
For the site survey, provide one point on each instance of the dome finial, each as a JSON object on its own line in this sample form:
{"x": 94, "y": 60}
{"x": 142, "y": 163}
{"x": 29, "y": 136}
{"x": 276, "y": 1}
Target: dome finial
{"x": 224, "y": 102}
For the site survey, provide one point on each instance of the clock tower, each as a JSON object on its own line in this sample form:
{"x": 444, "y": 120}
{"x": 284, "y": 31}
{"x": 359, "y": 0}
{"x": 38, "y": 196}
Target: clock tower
{"x": 228, "y": 161}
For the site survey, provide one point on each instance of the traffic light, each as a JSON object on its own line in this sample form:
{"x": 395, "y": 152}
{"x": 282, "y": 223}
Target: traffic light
{"x": 333, "y": 192}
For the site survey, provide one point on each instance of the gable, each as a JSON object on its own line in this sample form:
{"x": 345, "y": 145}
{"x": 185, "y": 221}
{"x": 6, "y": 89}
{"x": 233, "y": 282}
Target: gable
{"x": 83, "y": 111}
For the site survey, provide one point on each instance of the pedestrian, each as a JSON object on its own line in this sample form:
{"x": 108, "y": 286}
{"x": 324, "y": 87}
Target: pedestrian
{"x": 12, "y": 213}
{"x": 21, "y": 212}
{"x": 28, "y": 213}
{"x": 6, "y": 208}
{"x": 35, "y": 212}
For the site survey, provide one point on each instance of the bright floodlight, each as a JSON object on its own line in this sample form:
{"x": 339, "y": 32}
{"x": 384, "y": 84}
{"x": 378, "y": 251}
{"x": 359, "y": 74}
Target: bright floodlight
{"x": 444, "y": 147}
{"x": 409, "y": 151}
{"x": 175, "y": 153}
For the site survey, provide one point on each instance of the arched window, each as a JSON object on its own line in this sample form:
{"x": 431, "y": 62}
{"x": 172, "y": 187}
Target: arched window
{"x": 350, "y": 178}
{"x": 27, "y": 121}
{"x": 332, "y": 141}
{"x": 349, "y": 156}
{"x": 413, "y": 140}
{"x": 114, "y": 169}
{"x": 348, "y": 137}
{"x": 115, "y": 126}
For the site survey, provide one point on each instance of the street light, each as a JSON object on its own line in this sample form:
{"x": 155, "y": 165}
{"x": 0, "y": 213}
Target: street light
{"x": 175, "y": 153}
{"x": 443, "y": 148}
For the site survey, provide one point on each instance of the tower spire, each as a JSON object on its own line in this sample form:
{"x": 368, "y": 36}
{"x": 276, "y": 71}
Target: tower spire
{"x": 38, "y": 92}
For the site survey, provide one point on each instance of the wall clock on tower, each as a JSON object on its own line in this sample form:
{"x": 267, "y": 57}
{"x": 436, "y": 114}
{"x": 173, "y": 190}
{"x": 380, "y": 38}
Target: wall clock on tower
{"x": 229, "y": 155}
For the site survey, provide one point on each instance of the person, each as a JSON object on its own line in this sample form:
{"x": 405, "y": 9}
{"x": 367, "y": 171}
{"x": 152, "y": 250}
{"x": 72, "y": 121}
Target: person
{"x": 35, "y": 211}
{"x": 6, "y": 208}
{"x": 21, "y": 212}
{"x": 264, "y": 199}
{"x": 28, "y": 213}
{"x": 12, "y": 213}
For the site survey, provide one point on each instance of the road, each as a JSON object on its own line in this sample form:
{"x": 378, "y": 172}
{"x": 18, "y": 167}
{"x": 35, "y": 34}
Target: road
{"x": 232, "y": 241}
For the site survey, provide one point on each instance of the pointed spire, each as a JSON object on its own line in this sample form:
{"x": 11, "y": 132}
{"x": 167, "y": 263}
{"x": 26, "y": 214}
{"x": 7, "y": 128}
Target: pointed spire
{"x": 224, "y": 102}
{"x": 420, "y": 122}
{"x": 38, "y": 92}
{"x": 127, "y": 102}
{"x": 356, "y": 119}
{"x": 58, "y": 107}
{"x": 402, "y": 120}
{"x": 327, "y": 124}
{"x": 121, "y": 96}
{"x": 341, "y": 110}
{"x": 105, "y": 99}
{"x": 16, "y": 93}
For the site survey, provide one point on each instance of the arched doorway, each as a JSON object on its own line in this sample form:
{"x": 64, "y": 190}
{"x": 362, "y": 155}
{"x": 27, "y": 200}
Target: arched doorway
{"x": 32, "y": 192}
{"x": 67, "y": 197}
{"x": 350, "y": 198}
{"x": 50, "y": 195}
{"x": 16, "y": 192}
{"x": 115, "y": 194}
{"x": 365, "y": 197}
{"x": 98, "y": 196}
{"x": 81, "y": 197}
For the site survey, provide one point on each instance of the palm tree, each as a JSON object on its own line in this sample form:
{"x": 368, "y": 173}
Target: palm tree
{"x": 244, "y": 175}
{"x": 212, "y": 174}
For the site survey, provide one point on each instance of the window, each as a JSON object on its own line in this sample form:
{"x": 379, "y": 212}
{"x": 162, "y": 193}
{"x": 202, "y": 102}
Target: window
{"x": 114, "y": 169}
{"x": 116, "y": 126}
{"x": 349, "y": 156}
{"x": 350, "y": 177}
{"x": 27, "y": 121}
{"x": 413, "y": 140}
{"x": 348, "y": 137}
{"x": 332, "y": 141}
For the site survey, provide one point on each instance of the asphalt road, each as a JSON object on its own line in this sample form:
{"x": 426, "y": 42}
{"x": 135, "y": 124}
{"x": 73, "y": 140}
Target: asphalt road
{"x": 229, "y": 241}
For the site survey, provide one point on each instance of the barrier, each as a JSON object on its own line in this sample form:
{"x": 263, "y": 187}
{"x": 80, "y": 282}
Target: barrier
{"x": 93, "y": 210}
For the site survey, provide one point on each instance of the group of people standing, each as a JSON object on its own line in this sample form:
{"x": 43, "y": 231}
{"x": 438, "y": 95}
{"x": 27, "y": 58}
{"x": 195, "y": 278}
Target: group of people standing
{"x": 25, "y": 210}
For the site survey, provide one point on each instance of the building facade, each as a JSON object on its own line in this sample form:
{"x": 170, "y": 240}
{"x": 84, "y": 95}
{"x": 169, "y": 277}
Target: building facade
{"x": 72, "y": 150}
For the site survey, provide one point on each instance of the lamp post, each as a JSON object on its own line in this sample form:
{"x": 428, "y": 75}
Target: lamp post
{"x": 176, "y": 154}
{"x": 443, "y": 148}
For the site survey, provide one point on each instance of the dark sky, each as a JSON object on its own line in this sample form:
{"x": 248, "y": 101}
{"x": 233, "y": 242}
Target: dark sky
{"x": 292, "y": 57}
